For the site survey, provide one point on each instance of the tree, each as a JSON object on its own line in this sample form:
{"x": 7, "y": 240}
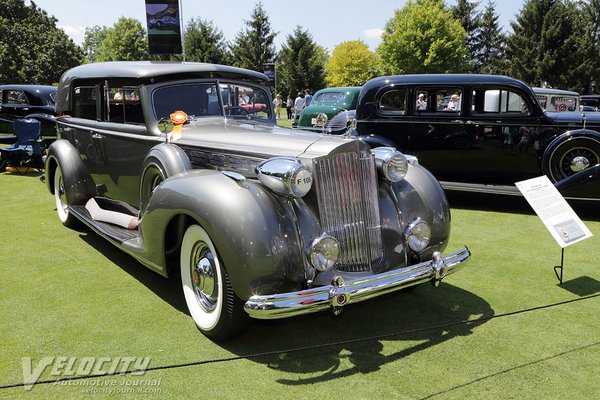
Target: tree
{"x": 32, "y": 48}
{"x": 544, "y": 47}
{"x": 464, "y": 11}
{"x": 423, "y": 37}
{"x": 351, "y": 64}
{"x": 203, "y": 42}
{"x": 254, "y": 46}
{"x": 300, "y": 63}
{"x": 489, "y": 43}
{"x": 124, "y": 41}
{"x": 92, "y": 39}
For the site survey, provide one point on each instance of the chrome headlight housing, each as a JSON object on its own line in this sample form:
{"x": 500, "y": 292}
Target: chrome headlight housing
{"x": 417, "y": 235}
{"x": 285, "y": 176}
{"x": 392, "y": 164}
{"x": 324, "y": 252}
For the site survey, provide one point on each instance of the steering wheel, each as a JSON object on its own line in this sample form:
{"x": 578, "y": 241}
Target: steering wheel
{"x": 238, "y": 110}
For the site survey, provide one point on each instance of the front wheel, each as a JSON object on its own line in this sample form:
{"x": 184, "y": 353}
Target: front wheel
{"x": 572, "y": 156}
{"x": 60, "y": 197}
{"x": 213, "y": 305}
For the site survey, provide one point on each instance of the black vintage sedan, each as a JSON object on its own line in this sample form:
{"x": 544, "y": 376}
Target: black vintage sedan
{"x": 481, "y": 132}
{"x": 31, "y": 101}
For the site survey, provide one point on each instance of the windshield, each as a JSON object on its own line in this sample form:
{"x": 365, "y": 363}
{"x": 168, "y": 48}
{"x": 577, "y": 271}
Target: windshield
{"x": 329, "y": 99}
{"x": 195, "y": 99}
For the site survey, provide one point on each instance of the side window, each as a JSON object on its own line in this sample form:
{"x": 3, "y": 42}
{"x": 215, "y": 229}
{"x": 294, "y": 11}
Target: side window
{"x": 448, "y": 99}
{"x": 16, "y": 97}
{"x": 393, "y": 102}
{"x": 498, "y": 101}
{"x": 124, "y": 105}
{"x": 86, "y": 102}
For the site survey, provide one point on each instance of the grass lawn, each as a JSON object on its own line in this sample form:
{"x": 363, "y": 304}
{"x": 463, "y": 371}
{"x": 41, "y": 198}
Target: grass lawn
{"x": 501, "y": 328}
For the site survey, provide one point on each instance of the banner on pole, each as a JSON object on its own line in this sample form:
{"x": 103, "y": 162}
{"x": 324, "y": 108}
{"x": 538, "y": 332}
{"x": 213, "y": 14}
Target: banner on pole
{"x": 164, "y": 26}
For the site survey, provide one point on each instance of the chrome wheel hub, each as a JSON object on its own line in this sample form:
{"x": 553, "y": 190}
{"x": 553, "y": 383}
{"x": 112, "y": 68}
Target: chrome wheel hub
{"x": 204, "y": 279}
{"x": 579, "y": 163}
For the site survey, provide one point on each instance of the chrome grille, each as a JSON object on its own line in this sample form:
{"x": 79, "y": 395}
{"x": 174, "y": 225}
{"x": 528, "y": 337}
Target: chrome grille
{"x": 349, "y": 208}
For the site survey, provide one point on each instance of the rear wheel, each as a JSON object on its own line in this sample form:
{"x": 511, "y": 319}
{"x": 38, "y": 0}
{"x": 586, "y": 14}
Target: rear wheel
{"x": 213, "y": 305}
{"x": 572, "y": 156}
{"x": 60, "y": 196}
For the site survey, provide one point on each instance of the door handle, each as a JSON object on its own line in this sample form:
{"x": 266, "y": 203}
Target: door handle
{"x": 97, "y": 136}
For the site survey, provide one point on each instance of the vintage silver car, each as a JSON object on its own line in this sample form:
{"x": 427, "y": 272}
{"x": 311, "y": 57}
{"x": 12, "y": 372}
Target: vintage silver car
{"x": 256, "y": 220}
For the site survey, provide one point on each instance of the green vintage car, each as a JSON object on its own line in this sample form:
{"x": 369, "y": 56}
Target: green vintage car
{"x": 326, "y": 104}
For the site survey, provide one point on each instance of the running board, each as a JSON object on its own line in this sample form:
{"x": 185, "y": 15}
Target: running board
{"x": 112, "y": 232}
{"x": 479, "y": 188}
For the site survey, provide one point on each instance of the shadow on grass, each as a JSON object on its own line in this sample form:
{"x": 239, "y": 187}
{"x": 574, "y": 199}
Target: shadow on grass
{"x": 168, "y": 290}
{"x": 326, "y": 347}
{"x": 321, "y": 345}
{"x": 587, "y": 210}
{"x": 582, "y": 286}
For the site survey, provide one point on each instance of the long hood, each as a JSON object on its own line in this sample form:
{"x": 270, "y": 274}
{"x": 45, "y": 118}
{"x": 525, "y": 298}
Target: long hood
{"x": 575, "y": 118}
{"x": 256, "y": 139}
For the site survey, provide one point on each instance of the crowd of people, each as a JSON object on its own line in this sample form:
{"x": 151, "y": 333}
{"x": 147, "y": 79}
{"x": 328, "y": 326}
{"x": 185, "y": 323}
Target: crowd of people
{"x": 293, "y": 107}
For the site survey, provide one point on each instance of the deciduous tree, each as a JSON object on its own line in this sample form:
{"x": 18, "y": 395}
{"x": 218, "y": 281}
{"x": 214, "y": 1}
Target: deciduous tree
{"x": 92, "y": 39}
{"x": 32, "y": 48}
{"x": 124, "y": 41}
{"x": 423, "y": 37}
{"x": 352, "y": 63}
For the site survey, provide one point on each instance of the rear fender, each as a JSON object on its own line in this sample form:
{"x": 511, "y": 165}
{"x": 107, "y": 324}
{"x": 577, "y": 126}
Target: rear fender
{"x": 75, "y": 176}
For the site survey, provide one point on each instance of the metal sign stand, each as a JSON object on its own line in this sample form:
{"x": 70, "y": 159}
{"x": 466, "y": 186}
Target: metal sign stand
{"x": 560, "y": 267}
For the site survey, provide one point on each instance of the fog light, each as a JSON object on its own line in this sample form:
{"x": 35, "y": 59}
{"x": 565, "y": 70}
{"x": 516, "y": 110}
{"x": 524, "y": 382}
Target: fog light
{"x": 324, "y": 252}
{"x": 417, "y": 235}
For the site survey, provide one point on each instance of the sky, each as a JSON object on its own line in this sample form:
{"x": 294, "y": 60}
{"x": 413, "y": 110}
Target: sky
{"x": 330, "y": 22}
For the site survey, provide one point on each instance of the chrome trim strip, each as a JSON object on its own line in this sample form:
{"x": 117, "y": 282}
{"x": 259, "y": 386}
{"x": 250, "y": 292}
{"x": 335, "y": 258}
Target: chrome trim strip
{"x": 340, "y": 293}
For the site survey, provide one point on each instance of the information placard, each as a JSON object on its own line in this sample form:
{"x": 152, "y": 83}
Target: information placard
{"x": 554, "y": 211}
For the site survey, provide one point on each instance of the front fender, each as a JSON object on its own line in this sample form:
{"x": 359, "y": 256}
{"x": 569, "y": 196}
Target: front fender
{"x": 420, "y": 195}
{"x": 254, "y": 231}
{"x": 79, "y": 183}
{"x": 582, "y": 185}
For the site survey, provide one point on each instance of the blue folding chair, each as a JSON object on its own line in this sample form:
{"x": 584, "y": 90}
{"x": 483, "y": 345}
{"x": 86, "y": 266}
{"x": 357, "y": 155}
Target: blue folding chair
{"x": 27, "y": 150}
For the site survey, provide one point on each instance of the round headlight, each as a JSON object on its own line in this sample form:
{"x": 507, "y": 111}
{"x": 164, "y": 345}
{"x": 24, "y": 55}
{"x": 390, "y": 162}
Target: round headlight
{"x": 324, "y": 252}
{"x": 417, "y": 235}
{"x": 392, "y": 164}
{"x": 285, "y": 176}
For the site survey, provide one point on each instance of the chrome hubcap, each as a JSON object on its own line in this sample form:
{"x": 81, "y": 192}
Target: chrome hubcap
{"x": 203, "y": 273}
{"x": 579, "y": 163}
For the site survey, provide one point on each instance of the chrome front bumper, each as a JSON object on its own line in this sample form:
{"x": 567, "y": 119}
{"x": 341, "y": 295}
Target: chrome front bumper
{"x": 341, "y": 293}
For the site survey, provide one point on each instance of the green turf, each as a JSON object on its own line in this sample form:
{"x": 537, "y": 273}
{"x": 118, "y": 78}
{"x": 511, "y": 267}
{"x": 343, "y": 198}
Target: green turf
{"x": 68, "y": 293}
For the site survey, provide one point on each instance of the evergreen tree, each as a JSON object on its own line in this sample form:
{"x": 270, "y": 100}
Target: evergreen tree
{"x": 300, "y": 64}
{"x": 589, "y": 43}
{"x": 351, "y": 64}
{"x": 423, "y": 37}
{"x": 544, "y": 48}
{"x": 254, "y": 46}
{"x": 464, "y": 11}
{"x": 32, "y": 48}
{"x": 489, "y": 43}
{"x": 203, "y": 42}
{"x": 124, "y": 41}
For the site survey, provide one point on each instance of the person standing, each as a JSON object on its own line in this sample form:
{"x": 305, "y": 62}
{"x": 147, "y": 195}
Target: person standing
{"x": 288, "y": 106}
{"x": 298, "y": 105}
{"x": 277, "y": 103}
{"x": 307, "y": 97}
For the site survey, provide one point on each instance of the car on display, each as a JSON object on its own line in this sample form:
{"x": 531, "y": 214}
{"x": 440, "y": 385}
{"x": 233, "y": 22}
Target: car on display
{"x": 325, "y": 105}
{"x": 493, "y": 135}
{"x": 590, "y": 102}
{"x": 557, "y": 100}
{"x": 28, "y": 101}
{"x": 257, "y": 220}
